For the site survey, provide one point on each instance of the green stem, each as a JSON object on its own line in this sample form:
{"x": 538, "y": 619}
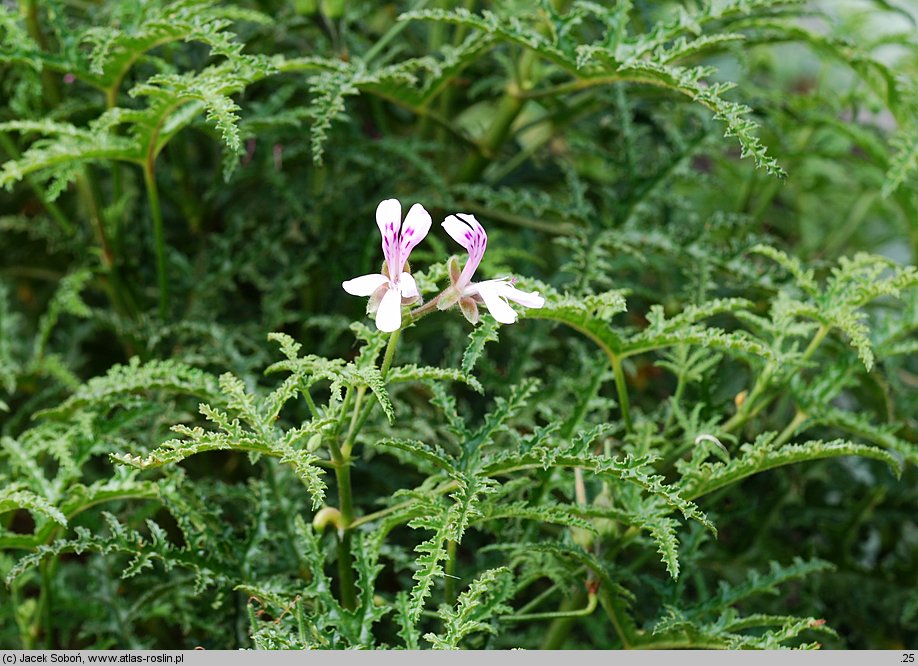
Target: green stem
{"x": 342, "y": 463}
{"x": 556, "y": 615}
{"x": 612, "y": 606}
{"x": 360, "y": 415}
{"x": 424, "y": 310}
{"x": 815, "y": 342}
{"x": 799, "y": 419}
{"x": 46, "y": 602}
{"x": 311, "y": 404}
{"x": 537, "y": 601}
{"x": 673, "y": 401}
{"x": 356, "y": 423}
{"x": 29, "y": 10}
{"x": 390, "y": 353}
{"x": 449, "y": 585}
{"x": 347, "y": 588}
{"x": 622, "y": 389}
{"x": 84, "y": 187}
{"x": 507, "y": 110}
{"x": 149, "y": 178}
{"x": 561, "y": 625}
{"x": 751, "y": 405}
{"x": 342, "y": 459}
{"x": 390, "y": 34}
{"x": 115, "y": 288}
{"x": 382, "y": 513}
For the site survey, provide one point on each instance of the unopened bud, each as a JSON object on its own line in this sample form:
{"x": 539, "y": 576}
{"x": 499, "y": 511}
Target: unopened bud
{"x": 314, "y": 443}
{"x": 740, "y": 398}
{"x": 327, "y": 515}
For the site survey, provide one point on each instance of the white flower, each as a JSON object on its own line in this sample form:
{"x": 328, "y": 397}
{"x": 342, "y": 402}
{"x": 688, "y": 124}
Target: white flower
{"x": 494, "y": 294}
{"x": 388, "y": 289}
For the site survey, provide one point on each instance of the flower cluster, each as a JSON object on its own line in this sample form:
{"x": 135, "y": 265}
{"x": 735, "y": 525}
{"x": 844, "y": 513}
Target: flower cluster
{"x": 394, "y": 286}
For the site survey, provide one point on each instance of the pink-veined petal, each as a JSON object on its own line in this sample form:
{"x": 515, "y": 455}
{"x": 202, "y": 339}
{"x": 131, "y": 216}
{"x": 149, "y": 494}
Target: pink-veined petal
{"x": 408, "y": 286}
{"x": 414, "y": 229}
{"x": 389, "y": 314}
{"x": 364, "y": 285}
{"x": 497, "y": 306}
{"x": 530, "y": 299}
{"x": 468, "y": 232}
{"x": 458, "y": 230}
{"x": 389, "y": 221}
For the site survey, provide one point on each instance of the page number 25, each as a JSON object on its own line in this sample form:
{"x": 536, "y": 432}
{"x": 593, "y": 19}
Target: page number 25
{"x": 908, "y": 658}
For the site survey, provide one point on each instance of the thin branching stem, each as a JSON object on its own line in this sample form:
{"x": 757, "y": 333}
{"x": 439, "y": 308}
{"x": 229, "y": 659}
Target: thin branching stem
{"x": 592, "y": 601}
{"x": 449, "y": 584}
{"x": 799, "y": 419}
{"x": 342, "y": 458}
{"x": 754, "y": 402}
{"x": 621, "y": 388}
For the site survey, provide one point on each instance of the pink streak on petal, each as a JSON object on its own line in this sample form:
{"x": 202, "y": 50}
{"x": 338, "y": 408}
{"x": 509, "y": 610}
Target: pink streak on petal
{"x": 414, "y": 229}
{"x": 389, "y": 221}
{"x": 468, "y": 232}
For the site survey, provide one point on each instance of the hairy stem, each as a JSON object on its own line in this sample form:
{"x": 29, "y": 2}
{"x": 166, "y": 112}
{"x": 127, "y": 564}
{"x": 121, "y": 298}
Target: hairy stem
{"x": 425, "y": 309}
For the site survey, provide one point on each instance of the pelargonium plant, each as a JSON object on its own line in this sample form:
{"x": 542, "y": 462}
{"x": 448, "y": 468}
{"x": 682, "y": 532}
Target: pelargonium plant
{"x": 705, "y": 434}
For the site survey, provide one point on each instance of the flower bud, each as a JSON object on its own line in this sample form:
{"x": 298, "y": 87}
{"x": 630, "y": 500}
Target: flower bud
{"x": 314, "y": 443}
{"x": 327, "y": 515}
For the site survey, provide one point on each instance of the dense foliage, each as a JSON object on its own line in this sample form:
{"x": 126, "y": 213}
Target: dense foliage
{"x": 707, "y": 437}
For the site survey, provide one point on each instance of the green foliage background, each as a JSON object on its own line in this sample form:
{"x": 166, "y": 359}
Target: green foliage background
{"x": 707, "y": 438}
